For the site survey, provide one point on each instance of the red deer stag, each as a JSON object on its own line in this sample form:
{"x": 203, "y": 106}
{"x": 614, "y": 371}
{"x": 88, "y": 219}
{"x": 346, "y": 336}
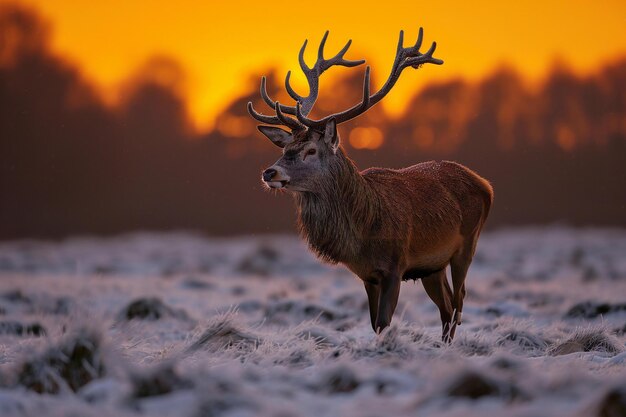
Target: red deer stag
{"x": 385, "y": 225}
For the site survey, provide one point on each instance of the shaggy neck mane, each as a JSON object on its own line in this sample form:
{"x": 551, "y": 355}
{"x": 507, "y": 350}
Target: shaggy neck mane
{"x": 333, "y": 218}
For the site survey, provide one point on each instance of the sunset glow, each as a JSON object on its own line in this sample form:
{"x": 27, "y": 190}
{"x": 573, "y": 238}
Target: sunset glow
{"x": 366, "y": 137}
{"x": 223, "y": 46}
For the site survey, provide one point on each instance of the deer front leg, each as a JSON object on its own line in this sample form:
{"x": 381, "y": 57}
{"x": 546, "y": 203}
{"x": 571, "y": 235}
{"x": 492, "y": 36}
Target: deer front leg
{"x": 373, "y": 294}
{"x": 387, "y": 301}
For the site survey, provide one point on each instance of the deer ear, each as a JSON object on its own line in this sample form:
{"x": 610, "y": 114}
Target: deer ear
{"x": 330, "y": 134}
{"x": 278, "y": 136}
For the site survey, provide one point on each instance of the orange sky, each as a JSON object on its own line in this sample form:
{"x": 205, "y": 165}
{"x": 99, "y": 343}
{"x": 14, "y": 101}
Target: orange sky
{"x": 219, "y": 43}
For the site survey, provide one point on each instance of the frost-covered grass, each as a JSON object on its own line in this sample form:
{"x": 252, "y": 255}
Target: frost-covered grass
{"x": 181, "y": 325}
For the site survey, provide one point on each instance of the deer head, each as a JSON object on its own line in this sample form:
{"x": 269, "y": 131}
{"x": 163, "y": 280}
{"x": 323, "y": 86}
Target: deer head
{"x": 312, "y": 147}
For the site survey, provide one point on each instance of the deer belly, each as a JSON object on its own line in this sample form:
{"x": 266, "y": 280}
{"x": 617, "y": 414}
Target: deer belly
{"x": 418, "y": 273}
{"x": 428, "y": 260}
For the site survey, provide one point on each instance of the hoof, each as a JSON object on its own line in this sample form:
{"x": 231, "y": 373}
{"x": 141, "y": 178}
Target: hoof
{"x": 459, "y": 316}
{"x": 380, "y": 327}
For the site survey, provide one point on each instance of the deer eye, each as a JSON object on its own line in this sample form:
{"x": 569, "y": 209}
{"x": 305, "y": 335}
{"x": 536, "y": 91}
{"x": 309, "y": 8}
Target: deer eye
{"x": 311, "y": 151}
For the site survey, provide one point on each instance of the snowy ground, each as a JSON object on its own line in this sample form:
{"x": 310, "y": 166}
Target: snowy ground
{"x": 181, "y": 325}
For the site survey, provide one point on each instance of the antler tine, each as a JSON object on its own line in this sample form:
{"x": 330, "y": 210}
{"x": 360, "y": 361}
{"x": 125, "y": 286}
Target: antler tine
{"x": 286, "y": 109}
{"x": 306, "y": 70}
{"x": 431, "y": 49}
{"x": 292, "y": 93}
{"x": 366, "y": 89}
{"x": 418, "y": 43}
{"x": 320, "y": 49}
{"x": 400, "y": 46}
{"x": 266, "y": 98}
{"x": 311, "y": 77}
{"x": 270, "y": 120}
{"x": 264, "y": 95}
{"x": 302, "y": 118}
{"x": 285, "y": 120}
{"x": 303, "y": 65}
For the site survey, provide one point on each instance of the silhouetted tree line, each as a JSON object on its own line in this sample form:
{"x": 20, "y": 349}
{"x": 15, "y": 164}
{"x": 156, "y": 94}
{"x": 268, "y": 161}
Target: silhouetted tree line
{"x": 71, "y": 164}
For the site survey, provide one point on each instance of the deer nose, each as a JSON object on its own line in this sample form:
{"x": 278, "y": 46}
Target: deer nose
{"x": 268, "y": 174}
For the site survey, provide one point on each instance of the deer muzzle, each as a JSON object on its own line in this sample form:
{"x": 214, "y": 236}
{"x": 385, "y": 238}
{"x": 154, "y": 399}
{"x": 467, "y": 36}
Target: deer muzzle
{"x": 275, "y": 177}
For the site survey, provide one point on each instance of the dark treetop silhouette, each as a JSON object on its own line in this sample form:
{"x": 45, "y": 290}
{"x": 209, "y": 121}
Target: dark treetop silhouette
{"x": 69, "y": 164}
{"x": 385, "y": 225}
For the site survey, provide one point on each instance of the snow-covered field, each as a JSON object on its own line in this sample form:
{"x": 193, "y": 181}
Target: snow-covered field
{"x": 182, "y": 325}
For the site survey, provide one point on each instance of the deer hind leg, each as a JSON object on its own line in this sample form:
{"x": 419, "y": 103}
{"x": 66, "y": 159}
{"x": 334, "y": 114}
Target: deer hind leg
{"x": 438, "y": 289}
{"x": 459, "y": 264}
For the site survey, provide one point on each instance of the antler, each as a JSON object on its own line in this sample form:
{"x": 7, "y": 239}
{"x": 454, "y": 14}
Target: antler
{"x": 405, "y": 57}
{"x": 312, "y": 75}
